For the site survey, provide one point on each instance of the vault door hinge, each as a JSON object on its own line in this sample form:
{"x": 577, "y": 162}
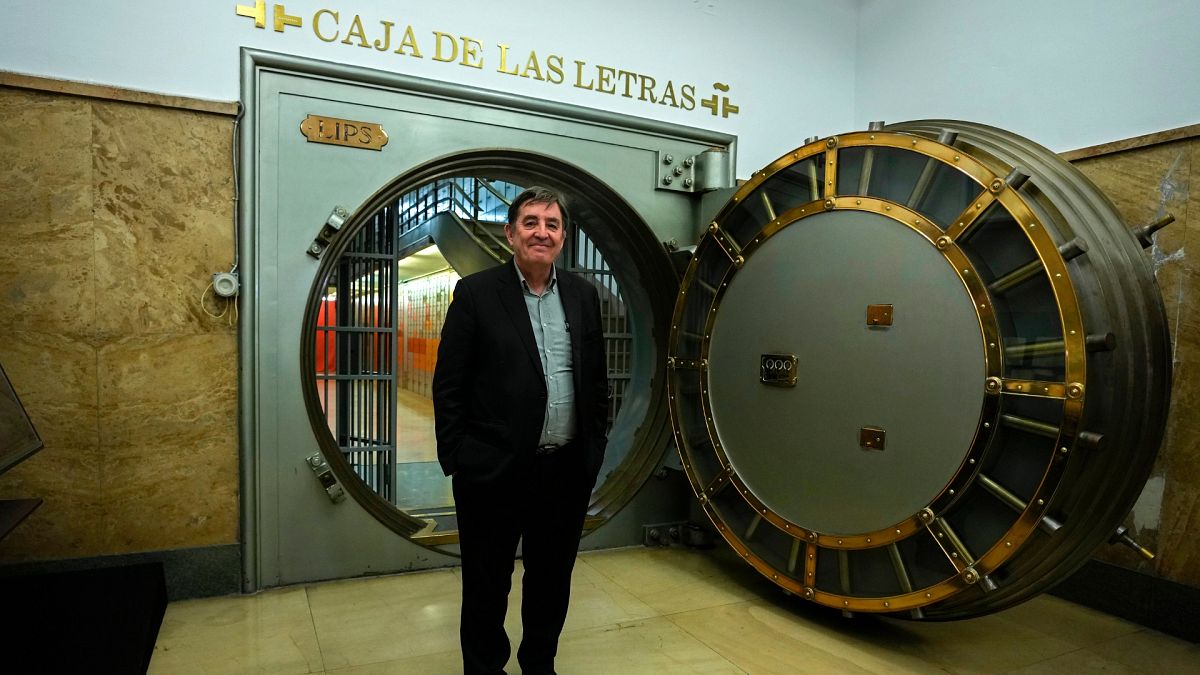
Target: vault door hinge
{"x": 324, "y": 474}
{"x": 701, "y": 172}
{"x": 330, "y": 228}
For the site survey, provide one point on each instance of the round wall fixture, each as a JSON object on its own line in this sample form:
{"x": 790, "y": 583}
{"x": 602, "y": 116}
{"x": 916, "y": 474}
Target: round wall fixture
{"x": 920, "y": 369}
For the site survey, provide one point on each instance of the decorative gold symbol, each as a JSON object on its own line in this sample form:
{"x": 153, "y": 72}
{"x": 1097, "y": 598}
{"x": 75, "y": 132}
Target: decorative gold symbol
{"x": 348, "y": 133}
{"x": 259, "y": 13}
{"x": 725, "y": 107}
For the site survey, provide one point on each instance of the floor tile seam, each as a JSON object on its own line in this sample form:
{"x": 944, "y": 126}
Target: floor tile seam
{"x": 856, "y": 649}
{"x": 704, "y": 642}
{"x": 618, "y": 625}
{"x": 637, "y": 590}
{"x": 613, "y": 624}
{"x": 312, "y": 621}
{"x": 1048, "y": 659}
{"x": 677, "y": 612}
{"x": 632, "y": 590}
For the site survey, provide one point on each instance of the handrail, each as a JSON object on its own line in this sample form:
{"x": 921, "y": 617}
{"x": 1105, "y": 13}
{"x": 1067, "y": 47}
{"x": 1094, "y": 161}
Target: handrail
{"x": 482, "y": 245}
{"x": 429, "y": 200}
{"x": 487, "y": 184}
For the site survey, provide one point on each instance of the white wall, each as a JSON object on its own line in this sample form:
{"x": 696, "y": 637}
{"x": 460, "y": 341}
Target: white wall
{"x": 1066, "y": 73}
{"x": 788, "y": 80}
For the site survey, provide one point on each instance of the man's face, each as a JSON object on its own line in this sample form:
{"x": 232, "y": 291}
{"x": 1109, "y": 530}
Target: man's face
{"x": 537, "y": 236}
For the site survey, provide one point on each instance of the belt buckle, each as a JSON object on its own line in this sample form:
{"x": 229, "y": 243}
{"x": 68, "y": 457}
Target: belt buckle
{"x": 547, "y": 449}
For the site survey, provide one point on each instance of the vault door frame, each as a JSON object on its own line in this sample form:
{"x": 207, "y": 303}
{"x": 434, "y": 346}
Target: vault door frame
{"x": 291, "y": 532}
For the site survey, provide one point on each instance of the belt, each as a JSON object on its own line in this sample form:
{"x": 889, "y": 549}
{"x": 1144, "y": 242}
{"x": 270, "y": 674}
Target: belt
{"x": 548, "y": 449}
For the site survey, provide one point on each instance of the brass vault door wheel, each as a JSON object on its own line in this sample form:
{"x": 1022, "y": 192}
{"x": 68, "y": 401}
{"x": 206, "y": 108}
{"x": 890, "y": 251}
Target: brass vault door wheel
{"x": 920, "y": 369}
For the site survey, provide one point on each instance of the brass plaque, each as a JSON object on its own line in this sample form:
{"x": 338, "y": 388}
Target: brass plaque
{"x": 348, "y": 133}
{"x": 871, "y": 438}
{"x": 879, "y": 315}
{"x": 778, "y": 370}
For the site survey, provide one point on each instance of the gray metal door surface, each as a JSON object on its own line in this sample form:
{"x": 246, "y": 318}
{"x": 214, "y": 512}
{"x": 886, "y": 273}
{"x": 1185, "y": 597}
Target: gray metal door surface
{"x": 289, "y": 186}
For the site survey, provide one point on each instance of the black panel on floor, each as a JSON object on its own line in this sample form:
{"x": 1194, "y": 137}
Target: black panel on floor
{"x": 1163, "y": 605}
{"x": 90, "y": 621}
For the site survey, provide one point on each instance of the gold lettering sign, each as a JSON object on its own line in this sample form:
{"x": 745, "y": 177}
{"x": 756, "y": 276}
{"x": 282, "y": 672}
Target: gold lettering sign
{"x": 351, "y": 134}
{"x": 385, "y": 35}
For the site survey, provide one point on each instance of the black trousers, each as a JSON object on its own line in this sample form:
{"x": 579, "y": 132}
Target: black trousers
{"x": 541, "y": 502}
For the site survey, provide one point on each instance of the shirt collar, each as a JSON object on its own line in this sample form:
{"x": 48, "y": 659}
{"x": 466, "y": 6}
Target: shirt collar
{"x": 550, "y": 287}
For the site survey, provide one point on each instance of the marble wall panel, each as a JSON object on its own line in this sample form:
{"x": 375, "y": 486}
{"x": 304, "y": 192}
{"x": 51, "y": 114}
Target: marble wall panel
{"x": 169, "y": 434}
{"x": 70, "y": 521}
{"x": 54, "y": 375}
{"x": 115, "y": 217}
{"x": 58, "y": 293}
{"x": 45, "y": 159}
{"x": 46, "y": 205}
{"x": 164, "y": 216}
{"x": 1145, "y": 184}
{"x": 173, "y": 389}
{"x": 164, "y": 496}
{"x": 1181, "y": 501}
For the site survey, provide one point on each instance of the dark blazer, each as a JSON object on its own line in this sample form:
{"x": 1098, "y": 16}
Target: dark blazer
{"x": 489, "y": 392}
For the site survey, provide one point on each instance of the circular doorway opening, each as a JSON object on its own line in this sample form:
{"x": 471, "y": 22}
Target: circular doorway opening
{"x": 374, "y": 313}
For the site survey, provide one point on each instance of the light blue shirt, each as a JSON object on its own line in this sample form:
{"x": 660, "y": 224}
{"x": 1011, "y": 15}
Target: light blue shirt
{"x": 553, "y": 337}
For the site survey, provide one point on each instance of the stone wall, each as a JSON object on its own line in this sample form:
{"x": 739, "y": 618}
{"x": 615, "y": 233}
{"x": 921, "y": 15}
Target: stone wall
{"x": 1144, "y": 184}
{"x": 114, "y": 217}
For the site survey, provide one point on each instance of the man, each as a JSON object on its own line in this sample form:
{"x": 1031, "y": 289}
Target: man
{"x": 520, "y": 396}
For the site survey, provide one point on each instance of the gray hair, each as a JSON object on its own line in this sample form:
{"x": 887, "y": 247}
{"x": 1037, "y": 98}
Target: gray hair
{"x": 538, "y": 195}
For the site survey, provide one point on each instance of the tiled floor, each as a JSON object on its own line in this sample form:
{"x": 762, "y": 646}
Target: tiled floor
{"x": 645, "y": 611}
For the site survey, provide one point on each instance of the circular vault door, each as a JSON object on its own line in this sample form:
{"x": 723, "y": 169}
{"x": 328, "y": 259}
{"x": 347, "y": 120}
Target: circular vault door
{"x": 894, "y": 379}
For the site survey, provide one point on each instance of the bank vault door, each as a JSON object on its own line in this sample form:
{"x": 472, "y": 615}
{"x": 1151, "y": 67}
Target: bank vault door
{"x": 921, "y": 369}
{"x": 328, "y": 227}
